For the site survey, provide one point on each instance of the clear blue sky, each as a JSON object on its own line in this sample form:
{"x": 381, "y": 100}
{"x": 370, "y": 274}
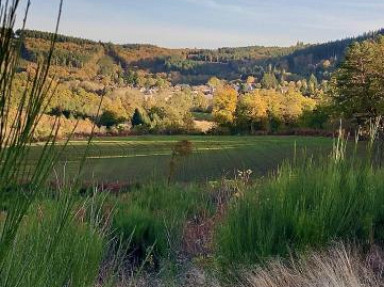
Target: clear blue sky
{"x": 210, "y": 23}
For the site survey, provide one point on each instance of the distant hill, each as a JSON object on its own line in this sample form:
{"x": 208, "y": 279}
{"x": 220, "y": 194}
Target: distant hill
{"x": 83, "y": 59}
{"x": 319, "y": 59}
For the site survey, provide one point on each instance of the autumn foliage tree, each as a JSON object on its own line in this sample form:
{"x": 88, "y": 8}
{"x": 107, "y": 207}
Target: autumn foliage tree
{"x": 224, "y": 105}
{"x": 252, "y": 111}
{"x": 264, "y": 109}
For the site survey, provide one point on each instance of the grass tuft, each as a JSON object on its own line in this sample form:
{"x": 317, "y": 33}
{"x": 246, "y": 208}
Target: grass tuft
{"x": 337, "y": 267}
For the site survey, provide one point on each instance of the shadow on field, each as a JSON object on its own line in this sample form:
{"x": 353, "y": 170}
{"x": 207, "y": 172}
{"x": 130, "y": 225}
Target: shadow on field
{"x": 142, "y": 159}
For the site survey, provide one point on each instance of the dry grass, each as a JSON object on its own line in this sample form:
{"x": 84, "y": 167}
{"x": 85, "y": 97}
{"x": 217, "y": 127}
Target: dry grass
{"x": 338, "y": 267}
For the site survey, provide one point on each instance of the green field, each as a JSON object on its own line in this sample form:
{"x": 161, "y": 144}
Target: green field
{"x": 132, "y": 159}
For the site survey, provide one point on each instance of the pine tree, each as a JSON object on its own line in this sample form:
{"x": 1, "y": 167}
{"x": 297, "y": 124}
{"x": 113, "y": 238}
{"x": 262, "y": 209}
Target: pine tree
{"x": 140, "y": 118}
{"x": 360, "y": 81}
{"x": 269, "y": 81}
{"x": 312, "y": 85}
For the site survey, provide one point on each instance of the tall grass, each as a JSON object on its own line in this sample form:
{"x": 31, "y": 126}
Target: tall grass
{"x": 17, "y": 125}
{"x": 43, "y": 242}
{"x": 305, "y": 205}
{"x": 20, "y": 117}
{"x": 54, "y": 246}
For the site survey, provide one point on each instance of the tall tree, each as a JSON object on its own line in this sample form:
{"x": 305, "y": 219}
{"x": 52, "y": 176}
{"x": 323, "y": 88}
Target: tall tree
{"x": 140, "y": 118}
{"x": 251, "y": 110}
{"x": 360, "y": 81}
{"x": 312, "y": 85}
{"x": 269, "y": 81}
{"x": 215, "y": 83}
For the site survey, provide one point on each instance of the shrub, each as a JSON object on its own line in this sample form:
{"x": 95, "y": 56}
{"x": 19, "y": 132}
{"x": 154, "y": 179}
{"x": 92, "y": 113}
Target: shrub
{"x": 140, "y": 232}
{"x": 316, "y": 119}
{"x": 110, "y": 119}
{"x": 154, "y": 216}
{"x": 308, "y": 204}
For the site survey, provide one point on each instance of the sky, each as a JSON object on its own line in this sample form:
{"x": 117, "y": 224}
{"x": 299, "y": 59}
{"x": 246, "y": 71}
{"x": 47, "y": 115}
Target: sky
{"x": 210, "y": 23}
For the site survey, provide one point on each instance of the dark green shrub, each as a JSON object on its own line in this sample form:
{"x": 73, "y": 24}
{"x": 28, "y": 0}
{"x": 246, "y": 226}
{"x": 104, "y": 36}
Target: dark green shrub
{"x": 154, "y": 216}
{"x": 317, "y": 119}
{"x": 138, "y": 230}
{"x": 110, "y": 119}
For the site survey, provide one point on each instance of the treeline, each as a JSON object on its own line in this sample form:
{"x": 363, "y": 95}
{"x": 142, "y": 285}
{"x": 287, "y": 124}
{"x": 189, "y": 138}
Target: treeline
{"x": 165, "y": 109}
{"x": 48, "y": 36}
{"x": 63, "y": 58}
{"x": 225, "y": 55}
{"x": 263, "y": 110}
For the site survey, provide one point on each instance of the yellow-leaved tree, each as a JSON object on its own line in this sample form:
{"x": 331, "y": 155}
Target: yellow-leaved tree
{"x": 252, "y": 111}
{"x": 224, "y": 105}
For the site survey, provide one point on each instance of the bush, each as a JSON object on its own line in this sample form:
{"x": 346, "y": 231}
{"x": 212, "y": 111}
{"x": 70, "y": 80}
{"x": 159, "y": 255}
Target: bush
{"x": 154, "y": 216}
{"x": 110, "y": 119}
{"x": 139, "y": 230}
{"x": 317, "y": 119}
{"x": 220, "y": 131}
{"x": 304, "y": 205}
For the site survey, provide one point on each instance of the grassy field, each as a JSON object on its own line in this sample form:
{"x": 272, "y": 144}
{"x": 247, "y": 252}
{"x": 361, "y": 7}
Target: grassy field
{"x": 143, "y": 158}
{"x": 158, "y": 232}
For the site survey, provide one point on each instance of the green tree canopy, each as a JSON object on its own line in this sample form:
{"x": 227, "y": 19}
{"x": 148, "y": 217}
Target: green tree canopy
{"x": 109, "y": 119}
{"x": 360, "y": 81}
{"x": 269, "y": 81}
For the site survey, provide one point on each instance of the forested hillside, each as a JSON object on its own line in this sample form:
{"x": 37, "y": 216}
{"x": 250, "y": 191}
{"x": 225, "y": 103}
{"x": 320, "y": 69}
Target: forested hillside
{"x": 81, "y": 59}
